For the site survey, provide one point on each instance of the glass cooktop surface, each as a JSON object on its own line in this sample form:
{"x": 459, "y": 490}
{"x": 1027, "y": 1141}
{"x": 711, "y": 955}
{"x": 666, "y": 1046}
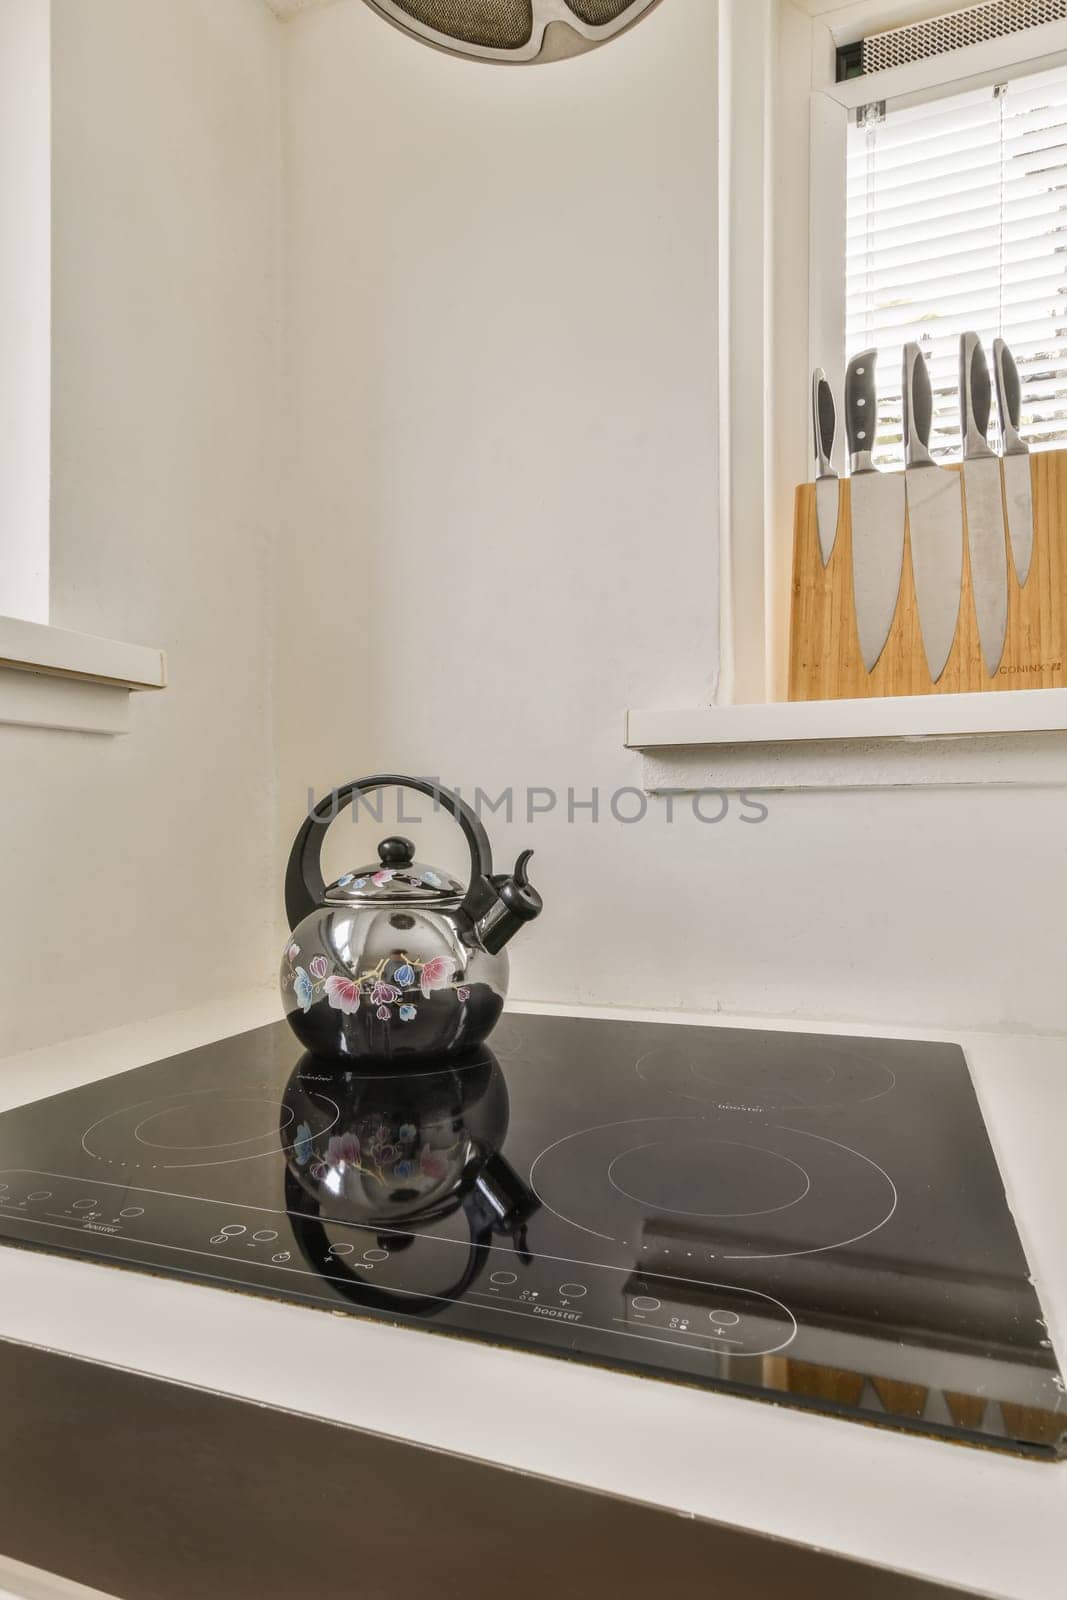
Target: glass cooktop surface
{"x": 816, "y": 1221}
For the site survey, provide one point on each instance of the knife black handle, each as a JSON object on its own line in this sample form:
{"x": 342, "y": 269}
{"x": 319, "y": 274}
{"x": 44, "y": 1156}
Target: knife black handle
{"x": 918, "y": 408}
{"x": 861, "y": 409}
{"x": 1009, "y": 398}
{"x": 824, "y": 420}
{"x": 976, "y": 396}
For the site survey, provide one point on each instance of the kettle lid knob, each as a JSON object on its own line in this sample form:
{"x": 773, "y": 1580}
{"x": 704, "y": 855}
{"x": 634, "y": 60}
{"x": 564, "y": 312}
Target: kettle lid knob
{"x": 396, "y": 852}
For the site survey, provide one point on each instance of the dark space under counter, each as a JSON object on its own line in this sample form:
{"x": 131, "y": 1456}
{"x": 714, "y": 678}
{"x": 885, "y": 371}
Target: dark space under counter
{"x": 150, "y": 1490}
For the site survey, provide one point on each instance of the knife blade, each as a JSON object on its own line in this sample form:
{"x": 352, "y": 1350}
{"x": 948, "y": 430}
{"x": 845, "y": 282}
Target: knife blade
{"x": 982, "y": 498}
{"x": 827, "y": 485}
{"x": 1015, "y": 460}
{"x": 935, "y": 519}
{"x": 877, "y": 514}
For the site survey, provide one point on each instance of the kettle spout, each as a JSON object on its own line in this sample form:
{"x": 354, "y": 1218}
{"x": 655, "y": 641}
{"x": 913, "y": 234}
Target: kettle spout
{"x": 517, "y": 902}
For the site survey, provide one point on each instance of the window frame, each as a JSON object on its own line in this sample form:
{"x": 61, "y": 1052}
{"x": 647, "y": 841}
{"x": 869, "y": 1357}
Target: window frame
{"x": 49, "y": 677}
{"x": 25, "y": 310}
{"x": 809, "y": 113}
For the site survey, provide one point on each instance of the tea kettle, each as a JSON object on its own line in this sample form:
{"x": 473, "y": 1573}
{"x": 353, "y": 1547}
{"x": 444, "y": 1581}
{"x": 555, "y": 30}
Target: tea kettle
{"x": 397, "y": 961}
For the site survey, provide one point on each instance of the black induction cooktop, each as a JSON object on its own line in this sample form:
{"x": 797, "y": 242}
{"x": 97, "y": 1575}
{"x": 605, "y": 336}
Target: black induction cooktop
{"x": 817, "y": 1221}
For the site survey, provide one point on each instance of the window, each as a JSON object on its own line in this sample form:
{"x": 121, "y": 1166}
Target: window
{"x": 814, "y": 257}
{"x": 25, "y": 278}
{"x": 957, "y": 220}
{"x": 36, "y": 657}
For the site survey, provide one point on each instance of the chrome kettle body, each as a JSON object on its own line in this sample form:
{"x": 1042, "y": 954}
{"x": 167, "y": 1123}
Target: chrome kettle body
{"x": 397, "y": 962}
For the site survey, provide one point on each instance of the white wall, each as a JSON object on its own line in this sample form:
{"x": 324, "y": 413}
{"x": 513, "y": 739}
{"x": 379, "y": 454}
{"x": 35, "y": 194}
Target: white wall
{"x": 498, "y": 478}
{"x": 25, "y": 229}
{"x": 500, "y": 531}
{"x": 501, "y": 381}
{"x": 136, "y": 874}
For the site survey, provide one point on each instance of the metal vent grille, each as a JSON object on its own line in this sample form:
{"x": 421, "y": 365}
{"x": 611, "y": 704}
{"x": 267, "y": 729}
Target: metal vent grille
{"x": 973, "y": 25}
{"x": 598, "y": 12}
{"x": 495, "y": 24}
{"x": 514, "y": 30}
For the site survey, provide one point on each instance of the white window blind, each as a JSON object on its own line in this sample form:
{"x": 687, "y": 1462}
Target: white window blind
{"x": 957, "y": 220}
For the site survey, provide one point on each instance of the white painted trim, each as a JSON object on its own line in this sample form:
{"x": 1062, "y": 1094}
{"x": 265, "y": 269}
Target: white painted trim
{"x": 787, "y": 363}
{"x": 68, "y": 705}
{"x": 920, "y": 716}
{"x": 37, "y": 647}
{"x": 25, "y": 305}
{"x": 747, "y": 43}
{"x": 849, "y": 20}
{"x": 826, "y": 246}
{"x": 976, "y": 761}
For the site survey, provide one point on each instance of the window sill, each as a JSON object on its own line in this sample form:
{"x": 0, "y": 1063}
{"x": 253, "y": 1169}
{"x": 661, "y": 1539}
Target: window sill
{"x": 991, "y": 738}
{"x": 53, "y": 678}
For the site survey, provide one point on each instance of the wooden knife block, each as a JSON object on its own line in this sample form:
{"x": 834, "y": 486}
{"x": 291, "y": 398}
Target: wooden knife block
{"x": 824, "y": 653}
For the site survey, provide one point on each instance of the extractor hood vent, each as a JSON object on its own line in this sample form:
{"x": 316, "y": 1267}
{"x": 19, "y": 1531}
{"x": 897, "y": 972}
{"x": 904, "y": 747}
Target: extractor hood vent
{"x": 896, "y": 47}
{"x": 514, "y": 30}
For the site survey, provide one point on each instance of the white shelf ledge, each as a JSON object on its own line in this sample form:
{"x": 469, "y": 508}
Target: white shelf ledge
{"x": 973, "y": 739}
{"x": 71, "y": 682}
{"x": 67, "y": 705}
{"x": 921, "y": 716}
{"x": 37, "y": 647}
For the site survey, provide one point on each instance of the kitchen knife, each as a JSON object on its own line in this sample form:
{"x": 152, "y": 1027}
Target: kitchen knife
{"x": 877, "y": 514}
{"x": 827, "y": 486}
{"x": 935, "y": 519}
{"x": 982, "y": 497}
{"x": 1015, "y": 460}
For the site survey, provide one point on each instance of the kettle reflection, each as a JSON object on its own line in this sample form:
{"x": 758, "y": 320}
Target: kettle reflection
{"x": 406, "y": 1151}
{"x": 388, "y": 1149}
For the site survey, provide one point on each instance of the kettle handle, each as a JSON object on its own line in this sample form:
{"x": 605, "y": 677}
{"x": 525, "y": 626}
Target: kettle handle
{"x": 305, "y": 885}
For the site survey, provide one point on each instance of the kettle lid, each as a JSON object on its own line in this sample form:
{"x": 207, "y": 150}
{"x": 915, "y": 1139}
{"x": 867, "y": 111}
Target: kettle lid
{"x": 396, "y": 878}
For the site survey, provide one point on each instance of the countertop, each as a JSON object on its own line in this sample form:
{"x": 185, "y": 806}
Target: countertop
{"x": 988, "y": 1523}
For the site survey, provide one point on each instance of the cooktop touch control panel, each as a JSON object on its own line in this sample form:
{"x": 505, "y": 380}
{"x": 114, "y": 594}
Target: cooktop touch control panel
{"x": 317, "y": 1257}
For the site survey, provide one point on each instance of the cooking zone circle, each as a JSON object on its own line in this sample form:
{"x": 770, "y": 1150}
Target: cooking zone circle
{"x": 720, "y": 1076}
{"x": 202, "y": 1129}
{"x": 766, "y": 1193}
{"x": 732, "y": 1180}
